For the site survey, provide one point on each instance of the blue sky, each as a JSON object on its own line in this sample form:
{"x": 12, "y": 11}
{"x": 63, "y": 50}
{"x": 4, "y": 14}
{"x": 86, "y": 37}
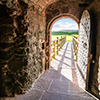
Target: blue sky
{"x": 65, "y": 24}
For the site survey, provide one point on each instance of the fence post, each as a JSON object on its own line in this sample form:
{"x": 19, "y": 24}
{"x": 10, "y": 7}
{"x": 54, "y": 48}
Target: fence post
{"x": 75, "y": 46}
{"x": 61, "y": 42}
{"x": 57, "y": 45}
{"x": 54, "y": 49}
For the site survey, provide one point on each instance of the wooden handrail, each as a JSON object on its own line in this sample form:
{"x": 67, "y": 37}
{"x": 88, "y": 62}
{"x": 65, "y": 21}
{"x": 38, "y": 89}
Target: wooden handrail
{"x": 75, "y": 46}
{"x": 75, "y": 38}
{"x": 57, "y": 45}
{"x": 58, "y": 39}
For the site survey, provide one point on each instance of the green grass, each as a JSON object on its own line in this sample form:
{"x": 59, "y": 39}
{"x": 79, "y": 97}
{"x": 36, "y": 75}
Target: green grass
{"x": 68, "y": 35}
{"x": 64, "y": 33}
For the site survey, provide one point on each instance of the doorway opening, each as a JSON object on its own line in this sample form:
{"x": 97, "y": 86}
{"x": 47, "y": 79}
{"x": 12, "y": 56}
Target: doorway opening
{"x": 62, "y": 58}
{"x": 64, "y": 27}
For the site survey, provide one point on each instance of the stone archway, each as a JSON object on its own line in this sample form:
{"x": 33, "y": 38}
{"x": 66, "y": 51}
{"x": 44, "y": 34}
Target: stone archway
{"x": 55, "y": 11}
{"x": 49, "y": 27}
{"x": 83, "y": 48}
{"x": 66, "y": 15}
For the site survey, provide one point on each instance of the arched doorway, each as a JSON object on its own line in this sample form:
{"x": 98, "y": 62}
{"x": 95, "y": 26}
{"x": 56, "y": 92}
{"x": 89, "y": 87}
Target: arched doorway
{"x": 48, "y": 35}
{"x": 83, "y": 49}
{"x": 63, "y": 60}
{"x": 64, "y": 27}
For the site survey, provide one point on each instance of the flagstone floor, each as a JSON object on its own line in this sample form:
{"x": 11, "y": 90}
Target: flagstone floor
{"x": 60, "y": 82}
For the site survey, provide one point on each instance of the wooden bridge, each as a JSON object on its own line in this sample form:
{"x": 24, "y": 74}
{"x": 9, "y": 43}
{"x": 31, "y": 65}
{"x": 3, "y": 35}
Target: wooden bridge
{"x": 56, "y": 45}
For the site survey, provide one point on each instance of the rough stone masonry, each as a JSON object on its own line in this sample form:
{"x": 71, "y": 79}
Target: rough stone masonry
{"x": 21, "y": 36}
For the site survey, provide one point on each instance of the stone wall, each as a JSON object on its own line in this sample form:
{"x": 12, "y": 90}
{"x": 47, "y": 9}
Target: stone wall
{"x": 21, "y": 36}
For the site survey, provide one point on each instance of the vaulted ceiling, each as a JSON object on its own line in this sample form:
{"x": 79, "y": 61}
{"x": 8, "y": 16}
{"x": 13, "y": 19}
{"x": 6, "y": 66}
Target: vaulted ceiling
{"x": 43, "y": 4}
{"x": 54, "y": 8}
{"x": 75, "y": 3}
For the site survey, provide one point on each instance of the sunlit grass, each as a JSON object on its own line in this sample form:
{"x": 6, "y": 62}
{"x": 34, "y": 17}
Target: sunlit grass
{"x": 68, "y": 37}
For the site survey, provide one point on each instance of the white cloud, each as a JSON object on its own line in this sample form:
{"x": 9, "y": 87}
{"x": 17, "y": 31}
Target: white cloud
{"x": 64, "y": 26}
{"x": 66, "y": 22}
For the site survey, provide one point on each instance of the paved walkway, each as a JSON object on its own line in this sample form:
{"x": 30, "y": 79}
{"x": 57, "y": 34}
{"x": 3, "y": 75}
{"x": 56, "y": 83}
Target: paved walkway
{"x": 60, "y": 82}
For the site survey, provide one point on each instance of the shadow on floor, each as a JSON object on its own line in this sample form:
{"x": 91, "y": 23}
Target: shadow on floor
{"x": 58, "y": 83}
{"x": 52, "y": 85}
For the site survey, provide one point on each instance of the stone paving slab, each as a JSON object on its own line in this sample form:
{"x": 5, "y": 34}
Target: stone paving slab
{"x": 60, "y": 86}
{"x": 42, "y": 84}
{"x": 45, "y": 74}
{"x": 54, "y": 75}
{"x": 31, "y": 95}
{"x": 60, "y": 96}
{"x": 58, "y": 83}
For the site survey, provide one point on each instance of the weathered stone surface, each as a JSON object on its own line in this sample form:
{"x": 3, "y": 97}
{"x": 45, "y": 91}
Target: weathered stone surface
{"x": 20, "y": 46}
{"x": 31, "y": 95}
{"x": 59, "y": 86}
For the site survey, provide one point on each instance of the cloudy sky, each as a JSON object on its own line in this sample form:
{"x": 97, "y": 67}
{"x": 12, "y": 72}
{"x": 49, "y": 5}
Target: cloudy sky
{"x": 65, "y": 24}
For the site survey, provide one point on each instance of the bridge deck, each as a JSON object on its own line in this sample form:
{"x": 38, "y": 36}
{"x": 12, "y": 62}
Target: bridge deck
{"x": 60, "y": 82}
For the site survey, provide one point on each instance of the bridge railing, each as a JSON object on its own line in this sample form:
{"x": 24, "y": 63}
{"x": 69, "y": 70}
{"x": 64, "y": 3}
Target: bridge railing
{"x": 56, "y": 45}
{"x": 75, "y": 46}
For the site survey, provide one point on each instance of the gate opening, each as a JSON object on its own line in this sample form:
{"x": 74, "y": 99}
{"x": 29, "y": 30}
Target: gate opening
{"x": 64, "y": 27}
{"x": 62, "y": 58}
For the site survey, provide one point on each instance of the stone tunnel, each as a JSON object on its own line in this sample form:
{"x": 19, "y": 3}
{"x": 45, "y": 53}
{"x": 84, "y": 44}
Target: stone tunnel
{"x": 25, "y": 31}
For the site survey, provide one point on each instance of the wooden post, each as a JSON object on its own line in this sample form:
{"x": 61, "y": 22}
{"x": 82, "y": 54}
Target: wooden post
{"x": 57, "y": 45}
{"x": 54, "y": 49}
{"x": 75, "y": 46}
{"x": 61, "y": 41}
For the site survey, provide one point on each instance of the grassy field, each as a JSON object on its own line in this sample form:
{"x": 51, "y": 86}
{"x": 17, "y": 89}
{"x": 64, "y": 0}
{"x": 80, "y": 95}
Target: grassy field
{"x": 68, "y": 35}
